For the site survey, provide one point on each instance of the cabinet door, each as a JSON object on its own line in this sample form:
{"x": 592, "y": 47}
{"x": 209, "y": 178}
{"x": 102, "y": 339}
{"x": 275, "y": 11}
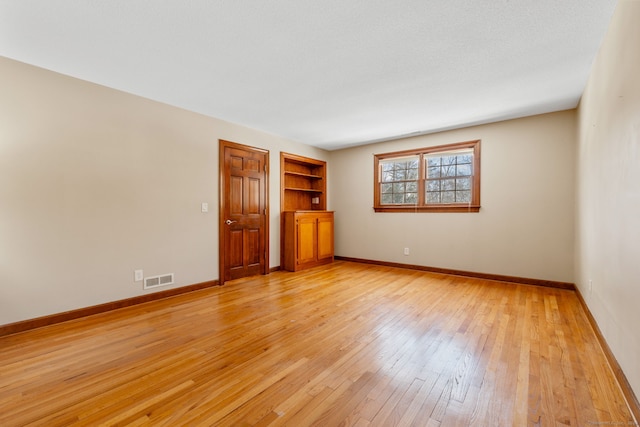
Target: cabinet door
{"x": 307, "y": 240}
{"x": 325, "y": 237}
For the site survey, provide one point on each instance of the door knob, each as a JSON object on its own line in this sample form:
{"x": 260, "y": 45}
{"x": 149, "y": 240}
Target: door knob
{"x": 229, "y": 222}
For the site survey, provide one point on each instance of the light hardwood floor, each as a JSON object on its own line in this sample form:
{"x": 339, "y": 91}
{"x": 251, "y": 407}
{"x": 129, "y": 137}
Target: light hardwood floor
{"x": 344, "y": 344}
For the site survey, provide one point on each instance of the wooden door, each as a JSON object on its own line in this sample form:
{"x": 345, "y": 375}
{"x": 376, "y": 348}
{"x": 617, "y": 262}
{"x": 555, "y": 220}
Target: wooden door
{"x": 307, "y": 235}
{"x": 243, "y": 211}
{"x": 325, "y": 236}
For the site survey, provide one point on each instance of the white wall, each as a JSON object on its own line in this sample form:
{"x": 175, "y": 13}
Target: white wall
{"x": 95, "y": 183}
{"x": 608, "y": 186}
{"x": 525, "y": 225}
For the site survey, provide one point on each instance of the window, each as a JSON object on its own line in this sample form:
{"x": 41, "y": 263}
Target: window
{"x": 445, "y": 178}
{"x": 399, "y": 183}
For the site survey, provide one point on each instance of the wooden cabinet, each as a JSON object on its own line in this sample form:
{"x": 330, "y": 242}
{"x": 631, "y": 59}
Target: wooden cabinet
{"x": 308, "y": 239}
{"x": 307, "y": 227}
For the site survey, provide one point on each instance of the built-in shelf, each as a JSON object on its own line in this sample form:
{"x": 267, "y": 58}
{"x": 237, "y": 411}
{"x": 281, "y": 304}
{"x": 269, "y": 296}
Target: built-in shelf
{"x": 306, "y": 227}
{"x": 303, "y": 183}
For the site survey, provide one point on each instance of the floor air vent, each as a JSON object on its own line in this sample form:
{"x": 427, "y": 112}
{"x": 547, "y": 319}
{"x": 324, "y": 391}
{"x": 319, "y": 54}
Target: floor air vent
{"x": 155, "y": 281}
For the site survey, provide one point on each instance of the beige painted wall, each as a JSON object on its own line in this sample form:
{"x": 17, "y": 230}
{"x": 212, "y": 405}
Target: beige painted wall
{"x": 525, "y": 225}
{"x": 95, "y": 183}
{"x": 608, "y": 187}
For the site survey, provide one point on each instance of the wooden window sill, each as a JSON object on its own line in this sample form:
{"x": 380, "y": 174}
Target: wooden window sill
{"x": 424, "y": 209}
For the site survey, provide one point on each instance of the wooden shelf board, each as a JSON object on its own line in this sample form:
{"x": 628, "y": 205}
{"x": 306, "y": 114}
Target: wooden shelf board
{"x": 309, "y": 190}
{"x": 306, "y": 175}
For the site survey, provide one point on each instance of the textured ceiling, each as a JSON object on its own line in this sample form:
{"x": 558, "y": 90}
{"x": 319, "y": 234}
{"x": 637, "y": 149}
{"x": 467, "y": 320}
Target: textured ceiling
{"x": 329, "y": 73}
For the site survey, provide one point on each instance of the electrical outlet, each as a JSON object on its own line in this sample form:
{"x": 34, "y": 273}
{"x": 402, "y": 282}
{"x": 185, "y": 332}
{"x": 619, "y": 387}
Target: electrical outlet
{"x": 204, "y": 207}
{"x": 138, "y": 275}
{"x": 406, "y": 251}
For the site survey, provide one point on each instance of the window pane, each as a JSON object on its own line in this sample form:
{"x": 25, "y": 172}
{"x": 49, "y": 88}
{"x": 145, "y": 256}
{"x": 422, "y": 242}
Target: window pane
{"x": 463, "y": 184}
{"x": 412, "y": 187}
{"x": 448, "y": 196}
{"x": 400, "y": 170}
{"x": 386, "y": 188}
{"x": 463, "y": 196}
{"x": 406, "y": 164}
{"x": 448, "y": 170}
{"x": 398, "y": 187}
{"x": 448, "y": 184}
{"x": 387, "y": 176}
{"x": 412, "y": 198}
{"x": 463, "y": 170}
{"x": 433, "y": 161}
{"x": 449, "y": 160}
{"x": 399, "y": 175}
{"x": 433, "y": 197}
{"x": 433, "y": 185}
{"x": 433, "y": 172}
{"x": 387, "y": 199}
{"x": 398, "y": 198}
{"x": 465, "y": 158}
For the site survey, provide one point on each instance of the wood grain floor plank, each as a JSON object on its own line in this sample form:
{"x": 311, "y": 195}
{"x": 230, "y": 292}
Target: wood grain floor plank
{"x": 343, "y": 344}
